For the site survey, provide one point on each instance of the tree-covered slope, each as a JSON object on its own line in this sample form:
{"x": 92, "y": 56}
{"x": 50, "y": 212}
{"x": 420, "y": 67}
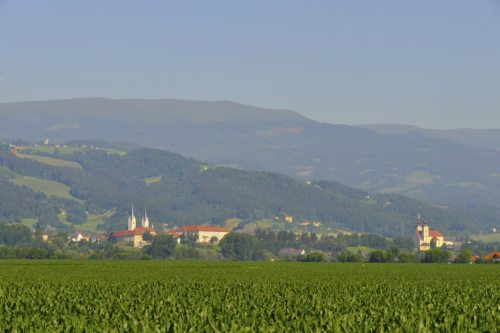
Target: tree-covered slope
{"x": 186, "y": 191}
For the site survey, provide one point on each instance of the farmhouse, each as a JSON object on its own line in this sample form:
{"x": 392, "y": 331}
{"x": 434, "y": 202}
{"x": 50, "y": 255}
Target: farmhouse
{"x": 134, "y": 234}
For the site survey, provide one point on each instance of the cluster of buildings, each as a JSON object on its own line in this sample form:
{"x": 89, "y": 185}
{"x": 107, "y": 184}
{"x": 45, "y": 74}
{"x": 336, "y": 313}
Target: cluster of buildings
{"x": 290, "y": 219}
{"x": 137, "y": 235}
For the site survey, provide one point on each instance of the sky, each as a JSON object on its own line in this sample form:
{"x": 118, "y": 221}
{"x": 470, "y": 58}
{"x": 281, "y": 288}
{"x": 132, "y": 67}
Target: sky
{"x": 428, "y": 63}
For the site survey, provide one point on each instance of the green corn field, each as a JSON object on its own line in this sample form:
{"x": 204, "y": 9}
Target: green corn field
{"x": 176, "y": 296}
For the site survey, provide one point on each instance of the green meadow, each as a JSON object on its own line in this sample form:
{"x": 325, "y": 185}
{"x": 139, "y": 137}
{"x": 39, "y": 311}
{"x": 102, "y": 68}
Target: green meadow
{"x": 48, "y": 187}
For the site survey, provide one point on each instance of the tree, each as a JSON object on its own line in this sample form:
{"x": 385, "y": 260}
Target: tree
{"x": 147, "y": 237}
{"x": 378, "y": 256}
{"x": 433, "y": 244}
{"x": 347, "y": 256}
{"x": 312, "y": 257}
{"x": 239, "y": 246}
{"x": 437, "y": 256}
{"x": 190, "y": 238}
{"x": 464, "y": 257}
{"x": 162, "y": 246}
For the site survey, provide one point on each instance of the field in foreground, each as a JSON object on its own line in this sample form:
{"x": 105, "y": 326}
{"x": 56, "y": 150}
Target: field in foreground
{"x": 144, "y": 296}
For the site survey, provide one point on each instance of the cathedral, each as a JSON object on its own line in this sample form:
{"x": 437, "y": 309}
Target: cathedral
{"x": 134, "y": 234}
{"x": 424, "y": 236}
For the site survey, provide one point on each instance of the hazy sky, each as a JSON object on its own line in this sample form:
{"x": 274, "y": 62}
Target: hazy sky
{"x": 427, "y": 62}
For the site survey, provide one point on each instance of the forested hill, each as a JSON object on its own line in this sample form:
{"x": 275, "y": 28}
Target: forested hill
{"x": 178, "y": 191}
{"x": 421, "y": 165}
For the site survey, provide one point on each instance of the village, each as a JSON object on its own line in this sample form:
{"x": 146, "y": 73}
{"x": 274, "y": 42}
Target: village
{"x": 191, "y": 240}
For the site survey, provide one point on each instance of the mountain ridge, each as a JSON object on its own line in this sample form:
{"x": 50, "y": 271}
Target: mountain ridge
{"x": 431, "y": 169}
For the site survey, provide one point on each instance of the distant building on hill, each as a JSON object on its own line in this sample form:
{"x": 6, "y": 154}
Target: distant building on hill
{"x": 202, "y": 233}
{"x": 288, "y": 218}
{"x": 291, "y": 252}
{"x": 46, "y": 141}
{"x": 79, "y": 236}
{"x": 134, "y": 234}
{"x": 425, "y": 236}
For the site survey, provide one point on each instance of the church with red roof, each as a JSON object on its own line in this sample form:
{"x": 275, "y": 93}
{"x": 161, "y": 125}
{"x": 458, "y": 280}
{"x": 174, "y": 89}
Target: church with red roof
{"x": 134, "y": 234}
{"x": 425, "y": 236}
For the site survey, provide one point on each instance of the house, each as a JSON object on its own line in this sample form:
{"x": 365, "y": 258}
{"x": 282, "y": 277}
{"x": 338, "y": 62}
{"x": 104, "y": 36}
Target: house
{"x": 493, "y": 256}
{"x": 425, "y": 236}
{"x": 288, "y": 218}
{"x": 291, "y": 252}
{"x": 202, "y": 233}
{"x": 134, "y": 234}
{"x": 79, "y": 236}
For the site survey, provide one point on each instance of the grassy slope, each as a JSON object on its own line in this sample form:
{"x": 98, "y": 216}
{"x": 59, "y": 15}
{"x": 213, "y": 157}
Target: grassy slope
{"x": 51, "y": 161}
{"x": 490, "y": 238}
{"x": 46, "y": 186}
{"x": 153, "y": 180}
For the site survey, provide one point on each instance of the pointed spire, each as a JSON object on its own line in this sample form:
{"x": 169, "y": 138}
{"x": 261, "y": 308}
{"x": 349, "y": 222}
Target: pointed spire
{"x": 131, "y": 220}
{"x": 145, "y": 219}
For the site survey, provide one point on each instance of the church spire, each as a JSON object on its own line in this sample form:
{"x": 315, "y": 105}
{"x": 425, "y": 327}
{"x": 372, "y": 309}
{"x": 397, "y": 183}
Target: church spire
{"x": 131, "y": 220}
{"x": 145, "y": 219}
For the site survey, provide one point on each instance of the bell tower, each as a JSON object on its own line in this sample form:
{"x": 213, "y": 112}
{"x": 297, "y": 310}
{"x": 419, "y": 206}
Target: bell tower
{"x": 145, "y": 219}
{"x": 131, "y": 220}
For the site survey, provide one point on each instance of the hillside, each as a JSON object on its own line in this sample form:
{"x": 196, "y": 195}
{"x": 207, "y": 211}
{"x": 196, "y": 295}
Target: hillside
{"x": 481, "y": 138}
{"x": 178, "y": 191}
{"x": 431, "y": 169}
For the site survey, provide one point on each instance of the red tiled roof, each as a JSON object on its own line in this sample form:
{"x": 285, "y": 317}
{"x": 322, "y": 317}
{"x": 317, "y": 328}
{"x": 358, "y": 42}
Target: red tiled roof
{"x": 435, "y": 233}
{"x": 492, "y": 256}
{"x": 202, "y": 228}
{"x": 173, "y": 233}
{"x": 136, "y": 231}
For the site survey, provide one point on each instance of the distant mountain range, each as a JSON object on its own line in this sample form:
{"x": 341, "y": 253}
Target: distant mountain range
{"x": 480, "y": 138}
{"x": 440, "y": 167}
{"x": 68, "y": 187}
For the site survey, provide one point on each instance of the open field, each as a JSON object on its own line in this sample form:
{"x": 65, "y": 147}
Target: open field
{"x": 168, "y": 296}
{"x": 93, "y": 221}
{"x": 50, "y": 161}
{"x": 29, "y": 222}
{"x": 153, "y": 180}
{"x": 490, "y": 238}
{"x": 46, "y": 186}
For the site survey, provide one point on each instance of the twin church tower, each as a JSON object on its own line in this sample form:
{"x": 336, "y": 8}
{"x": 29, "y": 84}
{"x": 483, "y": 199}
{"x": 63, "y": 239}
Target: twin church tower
{"x": 132, "y": 223}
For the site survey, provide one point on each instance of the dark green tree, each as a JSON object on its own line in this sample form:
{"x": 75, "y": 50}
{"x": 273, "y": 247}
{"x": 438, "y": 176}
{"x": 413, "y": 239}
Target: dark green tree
{"x": 464, "y": 257}
{"x": 162, "y": 246}
{"x": 239, "y": 246}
